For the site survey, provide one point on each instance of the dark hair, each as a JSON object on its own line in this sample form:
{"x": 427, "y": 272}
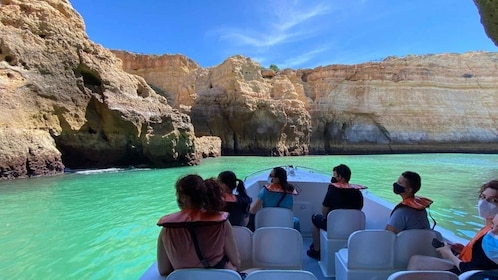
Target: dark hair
{"x": 493, "y": 184}
{"x": 413, "y": 179}
{"x": 203, "y": 194}
{"x": 344, "y": 171}
{"x": 281, "y": 174}
{"x": 230, "y": 180}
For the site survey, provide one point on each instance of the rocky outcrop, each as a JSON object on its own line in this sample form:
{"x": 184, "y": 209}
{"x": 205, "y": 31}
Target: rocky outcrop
{"x": 67, "y": 101}
{"x": 488, "y": 9}
{"x": 432, "y": 103}
{"x": 208, "y": 146}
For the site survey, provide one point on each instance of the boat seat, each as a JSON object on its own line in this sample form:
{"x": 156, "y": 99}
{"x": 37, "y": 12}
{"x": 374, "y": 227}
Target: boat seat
{"x": 281, "y": 274}
{"x": 243, "y": 239}
{"x": 414, "y": 242}
{"x": 277, "y": 248}
{"x": 422, "y": 274}
{"x": 491, "y": 274}
{"x": 369, "y": 255}
{"x": 203, "y": 273}
{"x": 340, "y": 224}
{"x": 274, "y": 217}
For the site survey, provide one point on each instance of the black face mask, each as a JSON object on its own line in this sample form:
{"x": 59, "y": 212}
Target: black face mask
{"x": 397, "y": 188}
{"x": 333, "y": 180}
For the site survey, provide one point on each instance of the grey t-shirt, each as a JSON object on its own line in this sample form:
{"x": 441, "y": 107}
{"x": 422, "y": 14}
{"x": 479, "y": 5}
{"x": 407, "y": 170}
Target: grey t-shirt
{"x": 404, "y": 218}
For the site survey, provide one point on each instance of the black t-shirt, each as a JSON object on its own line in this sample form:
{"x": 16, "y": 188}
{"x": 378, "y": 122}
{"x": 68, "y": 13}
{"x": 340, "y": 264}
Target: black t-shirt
{"x": 343, "y": 198}
{"x": 238, "y": 210}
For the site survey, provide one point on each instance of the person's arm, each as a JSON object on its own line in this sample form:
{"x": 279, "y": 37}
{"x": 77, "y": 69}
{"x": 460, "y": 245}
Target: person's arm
{"x": 325, "y": 211}
{"x": 163, "y": 263}
{"x": 446, "y": 252}
{"x": 256, "y": 206}
{"x": 391, "y": 228}
{"x": 231, "y": 250}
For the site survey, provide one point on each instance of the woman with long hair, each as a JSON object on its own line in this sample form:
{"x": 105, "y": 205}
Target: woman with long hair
{"x": 279, "y": 193}
{"x": 200, "y": 227}
{"x": 237, "y": 205}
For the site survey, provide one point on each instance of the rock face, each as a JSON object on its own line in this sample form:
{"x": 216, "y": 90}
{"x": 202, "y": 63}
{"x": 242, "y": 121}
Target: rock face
{"x": 488, "y": 9}
{"x": 432, "y": 103}
{"x": 67, "y": 101}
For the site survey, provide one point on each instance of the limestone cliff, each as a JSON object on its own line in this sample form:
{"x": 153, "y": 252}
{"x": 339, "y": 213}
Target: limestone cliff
{"x": 426, "y": 103}
{"x": 67, "y": 101}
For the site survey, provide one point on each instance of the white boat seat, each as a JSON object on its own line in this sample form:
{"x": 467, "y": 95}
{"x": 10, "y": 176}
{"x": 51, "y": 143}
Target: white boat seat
{"x": 277, "y": 248}
{"x": 243, "y": 238}
{"x": 281, "y": 274}
{"x": 203, "y": 273}
{"x": 414, "y": 242}
{"x": 340, "y": 224}
{"x": 369, "y": 255}
{"x": 423, "y": 274}
{"x": 274, "y": 217}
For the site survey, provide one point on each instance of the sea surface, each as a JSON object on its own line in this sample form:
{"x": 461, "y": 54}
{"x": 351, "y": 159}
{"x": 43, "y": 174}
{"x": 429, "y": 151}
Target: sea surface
{"x": 101, "y": 224}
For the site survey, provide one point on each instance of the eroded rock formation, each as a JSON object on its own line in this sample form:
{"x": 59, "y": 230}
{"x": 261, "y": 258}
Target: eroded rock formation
{"x": 67, "y": 101}
{"x": 488, "y": 9}
{"x": 426, "y": 103}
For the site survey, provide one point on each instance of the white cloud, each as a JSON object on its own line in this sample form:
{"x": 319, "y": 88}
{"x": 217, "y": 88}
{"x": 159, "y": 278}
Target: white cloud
{"x": 285, "y": 22}
{"x": 302, "y": 59}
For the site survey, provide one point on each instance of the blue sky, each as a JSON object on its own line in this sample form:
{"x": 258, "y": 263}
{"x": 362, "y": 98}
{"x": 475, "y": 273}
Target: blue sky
{"x": 290, "y": 34}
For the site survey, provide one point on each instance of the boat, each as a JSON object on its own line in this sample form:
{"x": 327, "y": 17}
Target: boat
{"x": 312, "y": 186}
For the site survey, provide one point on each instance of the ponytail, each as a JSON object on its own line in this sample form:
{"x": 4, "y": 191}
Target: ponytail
{"x": 241, "y": 188}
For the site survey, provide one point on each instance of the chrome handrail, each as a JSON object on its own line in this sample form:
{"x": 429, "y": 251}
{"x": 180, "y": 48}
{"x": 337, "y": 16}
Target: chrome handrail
{"x": 286, "y": 167}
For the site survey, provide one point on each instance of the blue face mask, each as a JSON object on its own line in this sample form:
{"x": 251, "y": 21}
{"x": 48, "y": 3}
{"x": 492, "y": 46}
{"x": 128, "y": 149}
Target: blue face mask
{"x": 397, "y": 188}
{"x": 490, "y": 246}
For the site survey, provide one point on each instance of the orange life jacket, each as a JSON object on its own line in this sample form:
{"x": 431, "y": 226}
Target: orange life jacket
{"x": 348, "y": 186}
{"x": 187, "y": 217}
{"x": 275, "y": 187}
{"x": 415, "y": 202}
{"x": 466, "y": 254}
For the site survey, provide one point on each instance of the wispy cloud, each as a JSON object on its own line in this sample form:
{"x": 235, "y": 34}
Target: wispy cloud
{"x": 302, "y": 59}
{"x": 285, "y": 21}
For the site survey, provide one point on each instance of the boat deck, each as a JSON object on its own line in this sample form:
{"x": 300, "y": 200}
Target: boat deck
{"x": 310, "y": 264}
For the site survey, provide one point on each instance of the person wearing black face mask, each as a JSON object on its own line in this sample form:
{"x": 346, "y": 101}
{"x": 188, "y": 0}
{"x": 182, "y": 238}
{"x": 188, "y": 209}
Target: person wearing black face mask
{"x": 340, "y": 195}
{"x": 411, "y": 212}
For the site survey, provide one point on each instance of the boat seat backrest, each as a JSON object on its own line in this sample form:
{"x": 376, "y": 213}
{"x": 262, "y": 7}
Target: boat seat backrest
{"x": 277, "y": 248}
{"x": 342, "y": 222}
{"x": 371, "y": 249}
{"x": 243, "y": 239}
{"x": 274, "y": 217}
{"x": 203, "y": 273}
{"x": 281, "y": 274}
{"x": 369, "y": 255}
{"x": 423, "y": 274}
{"x": 414, "y": 242}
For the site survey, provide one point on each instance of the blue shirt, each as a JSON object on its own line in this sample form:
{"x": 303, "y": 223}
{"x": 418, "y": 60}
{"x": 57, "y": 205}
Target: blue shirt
{"x": 271, "y": 199}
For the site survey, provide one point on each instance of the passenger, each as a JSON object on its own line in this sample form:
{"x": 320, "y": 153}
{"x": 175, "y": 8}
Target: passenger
{"x": 276, "y": 194}
{"x": 411, "y": 212}
{"x": 235, "y": 204}
{"x": 199, "y": 235}
{"x": 340, "y": 195}
{"x": 487, "y": 209}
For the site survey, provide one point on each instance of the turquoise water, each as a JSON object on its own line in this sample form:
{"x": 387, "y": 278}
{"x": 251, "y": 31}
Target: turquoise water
{"x": 101, "y": 225}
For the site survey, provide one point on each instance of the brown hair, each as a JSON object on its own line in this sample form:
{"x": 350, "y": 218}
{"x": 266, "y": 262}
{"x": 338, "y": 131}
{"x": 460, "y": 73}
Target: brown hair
{"x": 493, "y": 184}
{"x": 202, "y": 194}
